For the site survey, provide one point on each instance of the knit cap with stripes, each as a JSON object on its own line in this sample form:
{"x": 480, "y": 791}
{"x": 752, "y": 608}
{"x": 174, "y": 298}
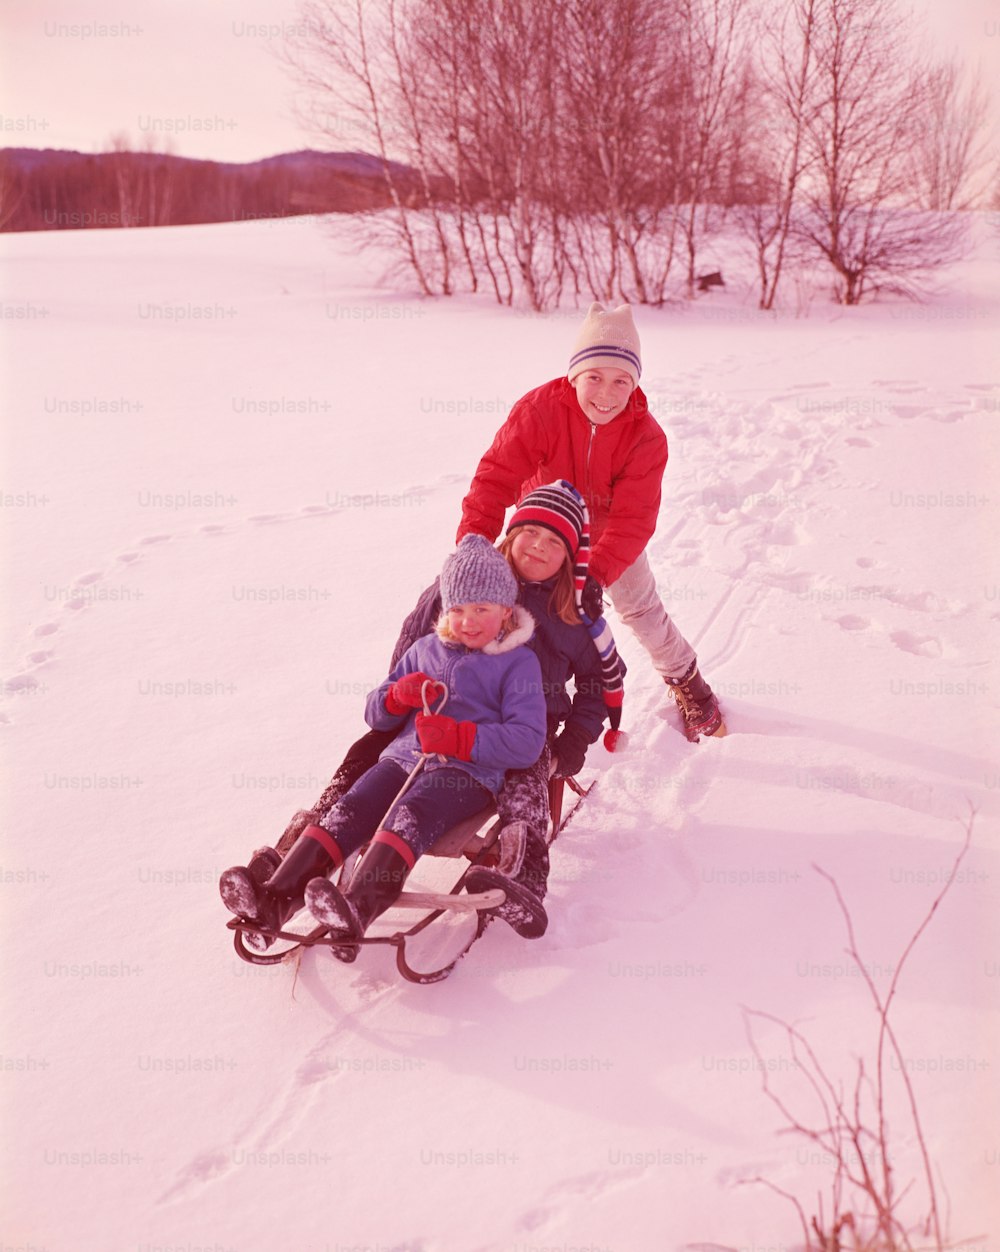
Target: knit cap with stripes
{"x": 559, "y": 507}
{"x": 608, "y": 339}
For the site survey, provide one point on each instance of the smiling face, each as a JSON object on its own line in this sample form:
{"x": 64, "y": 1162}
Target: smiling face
{"x": 536, "y": 552}
{"x": 476, "y": 625}
{"x": 602, "y": 393}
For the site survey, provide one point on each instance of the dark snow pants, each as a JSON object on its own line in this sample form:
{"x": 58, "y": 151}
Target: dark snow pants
{"x": 523, "y": 797}
{"x": 436, "y": 800}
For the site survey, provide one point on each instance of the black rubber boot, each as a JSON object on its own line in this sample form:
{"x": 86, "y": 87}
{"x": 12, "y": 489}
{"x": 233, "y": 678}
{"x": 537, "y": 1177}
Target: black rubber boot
{"x": 376, "y": 884}
{"x": 522, "y": 875}
{"x": 522, "y": 910}
{"x": 534, "y": 871}
{"x": 698, "y": 705}
{"x": 271, "y": 902}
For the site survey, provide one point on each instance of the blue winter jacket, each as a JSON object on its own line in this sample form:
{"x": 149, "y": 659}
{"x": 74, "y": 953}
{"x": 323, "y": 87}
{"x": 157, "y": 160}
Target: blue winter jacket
{"x": 498, "y": 687}
{"x": 564, "y": 652}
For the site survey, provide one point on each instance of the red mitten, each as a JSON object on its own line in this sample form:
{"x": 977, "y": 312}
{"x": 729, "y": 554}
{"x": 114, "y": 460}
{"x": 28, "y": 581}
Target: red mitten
{"x": 439, "y": 733}
{"x": 405, "y": 693}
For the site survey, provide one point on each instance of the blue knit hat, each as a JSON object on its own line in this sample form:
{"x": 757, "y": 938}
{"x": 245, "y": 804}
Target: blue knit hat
{"x": 476, "y": 573}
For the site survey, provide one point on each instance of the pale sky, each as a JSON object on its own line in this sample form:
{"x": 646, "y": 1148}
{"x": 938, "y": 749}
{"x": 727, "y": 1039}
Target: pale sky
{"x": 72, "y": 72}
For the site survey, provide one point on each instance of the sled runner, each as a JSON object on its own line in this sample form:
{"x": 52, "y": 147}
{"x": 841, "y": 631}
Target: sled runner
{"x": 460, "y": 917}
{"x": 451, "y": 920}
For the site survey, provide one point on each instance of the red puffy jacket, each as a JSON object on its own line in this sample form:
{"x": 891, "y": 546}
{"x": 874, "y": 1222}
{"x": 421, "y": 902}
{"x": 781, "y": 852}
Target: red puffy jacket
{"x": 618, "y": 468}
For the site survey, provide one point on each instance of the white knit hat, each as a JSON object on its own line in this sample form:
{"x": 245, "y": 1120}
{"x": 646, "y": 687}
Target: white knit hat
{"x": 607, "y": 339}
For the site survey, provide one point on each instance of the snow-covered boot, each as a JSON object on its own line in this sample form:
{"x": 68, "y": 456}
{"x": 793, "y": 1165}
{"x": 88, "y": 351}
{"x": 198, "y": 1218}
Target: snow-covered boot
{"x": 522, "y": 875}
{"x": 269, "y": 899}
{"x": 375, "y": 886}
{"x": 534, "y": 871}
{"x": 263, "y": 863}
{"x": 699, "y": 707}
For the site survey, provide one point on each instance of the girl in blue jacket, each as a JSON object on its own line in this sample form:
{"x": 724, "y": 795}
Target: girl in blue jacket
{"x": 547, "y": 546}
{"x": 495, "y": 720}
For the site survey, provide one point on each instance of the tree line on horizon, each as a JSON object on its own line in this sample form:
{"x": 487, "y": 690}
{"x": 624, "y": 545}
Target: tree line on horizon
{"x": 58, "y": 190}
{"x": 573, "y": 149}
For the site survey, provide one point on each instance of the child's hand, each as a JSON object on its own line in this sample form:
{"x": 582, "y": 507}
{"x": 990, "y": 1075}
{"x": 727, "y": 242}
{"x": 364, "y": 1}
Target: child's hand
{"x": 592, "y": 598}
{"x": 406, "y": 693}
{"x": 568, "y": 755}
{"x": 439, "y": 733}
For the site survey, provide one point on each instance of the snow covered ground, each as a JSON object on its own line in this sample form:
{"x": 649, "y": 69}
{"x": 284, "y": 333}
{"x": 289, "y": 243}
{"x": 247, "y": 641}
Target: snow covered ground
{"x": 232, "y": 460}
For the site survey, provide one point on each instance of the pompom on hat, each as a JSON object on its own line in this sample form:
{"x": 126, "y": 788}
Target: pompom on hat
{"x": 607, "y": 339}
{"x": 559, "y": 507}
{"x": 476, "y": 573}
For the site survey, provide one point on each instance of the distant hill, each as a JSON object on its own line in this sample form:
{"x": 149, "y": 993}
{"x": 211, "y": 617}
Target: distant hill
{"x": 56, "y": 189}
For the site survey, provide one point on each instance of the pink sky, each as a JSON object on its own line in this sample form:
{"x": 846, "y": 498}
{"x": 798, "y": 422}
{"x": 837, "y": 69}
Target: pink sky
{"x": 201, "y": 72}
{"x": 72, "y": 72}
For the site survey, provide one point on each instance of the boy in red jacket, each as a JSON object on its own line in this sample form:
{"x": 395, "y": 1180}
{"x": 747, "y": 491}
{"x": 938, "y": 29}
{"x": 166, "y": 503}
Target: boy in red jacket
{"x": 594, "y": 429}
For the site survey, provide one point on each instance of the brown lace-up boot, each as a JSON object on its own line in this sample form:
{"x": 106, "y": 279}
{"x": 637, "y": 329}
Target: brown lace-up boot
{"x": 699, "y": 707}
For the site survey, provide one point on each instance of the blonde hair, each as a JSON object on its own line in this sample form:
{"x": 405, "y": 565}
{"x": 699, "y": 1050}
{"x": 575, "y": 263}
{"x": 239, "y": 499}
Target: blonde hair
{"x": 562, "y": 601}
{"x": 447, "y": 635}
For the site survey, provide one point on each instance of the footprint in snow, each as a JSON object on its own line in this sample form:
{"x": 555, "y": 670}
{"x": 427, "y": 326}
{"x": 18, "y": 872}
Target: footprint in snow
{"x": 856, "y": 441}
{"x": 49, "y": 628}
{"x": 921, "y": 601}
{"x": 565, "y": 1196}
{"x": 784, "y": 535}
{"x": 315, "y": 1069}
{"x": 919, "y": 645}
{"x": 204, "y": 1168}
{"x": 583, "y": 926}
{"x": 850, "y": 621}
{"x": 21, "y": 683}
{"x": 155, "y": 539}
{"x": 796, "y": 582}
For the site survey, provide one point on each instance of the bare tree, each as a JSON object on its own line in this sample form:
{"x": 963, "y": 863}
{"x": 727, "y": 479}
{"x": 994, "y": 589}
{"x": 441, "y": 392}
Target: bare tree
{"x": 516, "y": 128}
{"x": 951, "y": 156}
{"x": 715, "y": 55}
{"x": 11, "y": 195}
{"x": 860, "y": 209}
{"x": 851, "y": 1123}
{"x": 572, "y": 146}
{"x": 344, "y": 56}
{"x": 145, "y": 187}
{"x": 784, "y": 103}
{"x": 615, "y": 87}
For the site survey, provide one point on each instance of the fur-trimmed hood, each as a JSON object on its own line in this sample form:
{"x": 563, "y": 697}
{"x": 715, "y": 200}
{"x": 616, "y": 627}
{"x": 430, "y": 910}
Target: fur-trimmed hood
{"x": 498, "y": 688}
{"x": 522, "y": 631}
